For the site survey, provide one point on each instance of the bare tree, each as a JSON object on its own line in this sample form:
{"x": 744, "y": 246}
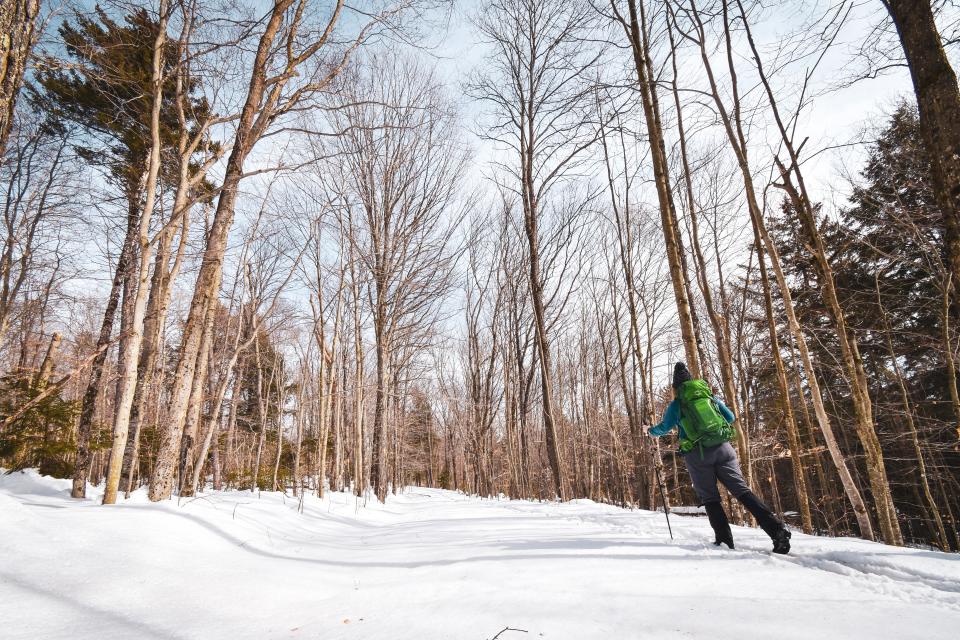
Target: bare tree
{"x": 295, "y": 61}
{"x": 265, "y": 268}
{"x": 538, "y": 86}
{"x": 637, "y": 31}
{"x": 482, "y": 360}
{"x": 402, "y": 165}
{"x": 39, "y": 178}
{"x": 849, "y": 347}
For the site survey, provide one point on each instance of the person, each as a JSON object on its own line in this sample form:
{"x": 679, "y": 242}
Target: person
{"x": 706, "y": 428}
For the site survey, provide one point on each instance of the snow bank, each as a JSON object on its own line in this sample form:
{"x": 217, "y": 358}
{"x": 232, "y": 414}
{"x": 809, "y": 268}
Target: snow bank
{"x": 433, "y": 564}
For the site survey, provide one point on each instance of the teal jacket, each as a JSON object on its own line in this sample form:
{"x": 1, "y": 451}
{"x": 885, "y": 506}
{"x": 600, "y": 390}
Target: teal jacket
{"x": 671, "y": 418}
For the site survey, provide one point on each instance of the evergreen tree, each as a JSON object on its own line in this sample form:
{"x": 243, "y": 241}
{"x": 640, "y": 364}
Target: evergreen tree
{"x": 107, "y": 90}
{"x": 890, "y": 238}
{"x": 43, "y": 436}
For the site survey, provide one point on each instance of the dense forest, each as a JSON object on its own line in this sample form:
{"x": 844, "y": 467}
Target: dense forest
{"x": 281, "y": 246}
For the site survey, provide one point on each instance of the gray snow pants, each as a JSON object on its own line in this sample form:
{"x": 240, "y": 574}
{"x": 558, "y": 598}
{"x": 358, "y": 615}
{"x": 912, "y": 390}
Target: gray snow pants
{"x": 718, "y": 463}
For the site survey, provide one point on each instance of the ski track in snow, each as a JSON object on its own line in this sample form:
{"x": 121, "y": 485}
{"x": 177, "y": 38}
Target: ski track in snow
{"x": 432, "y": 564}
{"x": 877, "y": 573}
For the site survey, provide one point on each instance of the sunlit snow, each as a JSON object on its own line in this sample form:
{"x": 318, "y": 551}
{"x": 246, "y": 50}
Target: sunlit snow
{"x": 433, "y": 564}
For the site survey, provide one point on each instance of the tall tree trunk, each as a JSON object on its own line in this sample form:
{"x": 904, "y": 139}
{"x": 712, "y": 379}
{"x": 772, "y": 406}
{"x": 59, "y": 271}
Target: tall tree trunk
{"x": 17, "y": 22}
{"x": 340, "y": 439}
{"x": 211, "y": 266}
{"x": 934, "y": 510}
{"x": 229, "y": 456}
{"x": 718, "y": 323}
{"x": 298, "y": 420}
{"x": 739, "y": 145}
{"x": 153, "y": 327}
{"x": 949, "y": 357}
{"x": 863, "y": 409}
{"x": 326, "y": 402}
{"x": 938, "y": 100}
{"x": 212, "y": 428}
{"x": 130, "y": 345}
{"x": 235, "y": 348}
{"x": 263, "y": 403}
{"x": 625, "y": 240}
{"x": 378, "y": 470}
{"x": 128, "y": 303}
{"x": 276, "y": 463}
{"x": 194, "y": 410}
{"x": 509, "y": 426}
{"x": 839, "y": 460}
{"x": 328, "y": 391}
{"x": 554, "y": 456}
{"x": 793, "y": 435}
{"x": 49, "y": 360}
{"x": 857, "y": 376}
{"x": 358, "y": 457}
{"x": 828, "y": 503}
{"x": 636, "y": 31}
{"x": 88, "y": 405}
{"x": 531, "y": 213}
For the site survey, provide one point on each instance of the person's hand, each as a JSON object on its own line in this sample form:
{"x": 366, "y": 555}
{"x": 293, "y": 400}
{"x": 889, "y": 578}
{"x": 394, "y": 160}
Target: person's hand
{"x": 646, "y": 429}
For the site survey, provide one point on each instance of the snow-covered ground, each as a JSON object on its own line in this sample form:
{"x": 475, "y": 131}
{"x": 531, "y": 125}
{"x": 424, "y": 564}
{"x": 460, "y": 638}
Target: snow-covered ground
{"x": 434, "y": 564}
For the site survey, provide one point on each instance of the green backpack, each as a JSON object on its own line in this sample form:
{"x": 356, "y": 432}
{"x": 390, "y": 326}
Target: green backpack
{"x": 703, "y": 426}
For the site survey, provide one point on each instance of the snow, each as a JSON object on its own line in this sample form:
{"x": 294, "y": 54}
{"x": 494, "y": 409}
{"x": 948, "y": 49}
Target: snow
{"x": 432, "y": 564}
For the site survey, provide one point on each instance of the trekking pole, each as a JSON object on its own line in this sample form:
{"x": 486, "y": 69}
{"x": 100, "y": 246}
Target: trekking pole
{"x": 663, "y": 498}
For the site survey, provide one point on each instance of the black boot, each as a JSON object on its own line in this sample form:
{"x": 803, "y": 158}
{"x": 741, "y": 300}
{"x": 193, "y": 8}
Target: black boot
{"x": 768, "y": 522}
{"x": 720, "y": 524}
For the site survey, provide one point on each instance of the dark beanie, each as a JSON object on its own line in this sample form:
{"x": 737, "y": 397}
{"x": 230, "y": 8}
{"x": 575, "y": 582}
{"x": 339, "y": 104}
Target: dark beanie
{"x": 680, "y": 374}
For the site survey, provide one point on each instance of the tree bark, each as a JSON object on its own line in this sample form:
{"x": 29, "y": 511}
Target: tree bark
{"x": 857, "y": 376}
{"x": 211, "y": 267}
{"x": 17, "y": 21}
{"x": 89, "y": 404}
{"x": 378, "y": 471}
{"x": 327, "y": 388}
{"x": 938, "y": 100}
{"x": 637, "y": 34}
{"x": 948, "y": 351}
{"x": 138, "y": 279}
{"x": 153, "y": 327}
{"x": 298, "y": 422}
{"x": 46, "y": 367}
{"x": 213, "y": 420}
{"x": 275, "y": 486}
{"x": 793, "y": 436}
{"x": 543, "y": 345}
{"x": 228, "y": 454}
{"x": 358, "y": 457}
{"x": 194, "y": 410}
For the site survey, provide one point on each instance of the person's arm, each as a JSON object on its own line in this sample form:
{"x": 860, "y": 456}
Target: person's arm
{"x": 724, "y": 410}
{"x": 671, "y": 418}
